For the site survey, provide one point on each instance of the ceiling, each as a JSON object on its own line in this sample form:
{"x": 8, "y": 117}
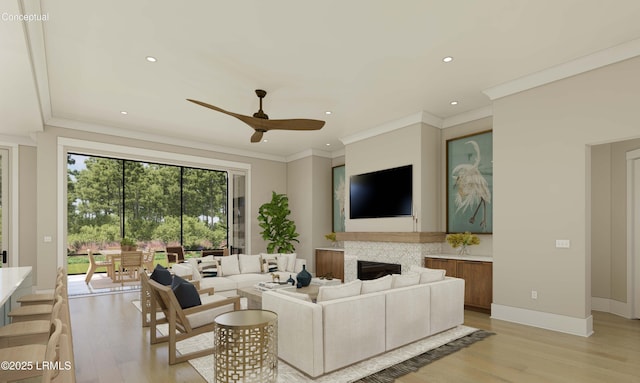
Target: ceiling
{"x": 369, "y": 62}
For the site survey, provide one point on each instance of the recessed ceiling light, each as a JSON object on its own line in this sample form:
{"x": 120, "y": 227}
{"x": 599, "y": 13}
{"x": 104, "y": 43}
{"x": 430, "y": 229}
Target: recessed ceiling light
{"x": 327, "y": 112}
{"x": 124, "y": 112}
{"x": 265, "y": 140}
{"x": 454, "y": 102}
{"x": 328, "y": 144}
{"x": 447, "y": 59}
{"x": 151, "y": 59}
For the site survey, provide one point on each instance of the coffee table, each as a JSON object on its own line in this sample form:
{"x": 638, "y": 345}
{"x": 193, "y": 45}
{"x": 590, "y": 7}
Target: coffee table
{"x": 254, "y": 295}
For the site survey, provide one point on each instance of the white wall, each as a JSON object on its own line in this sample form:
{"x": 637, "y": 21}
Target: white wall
{"x": 393, "y": 149}
{"x": 542, "y": 185}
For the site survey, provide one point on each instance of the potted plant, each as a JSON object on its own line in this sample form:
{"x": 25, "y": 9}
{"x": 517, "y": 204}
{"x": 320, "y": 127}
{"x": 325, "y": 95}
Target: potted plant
{"x": 463, "y": 241}
{"x": 128, "y": 244}
{"x": 277, "y": 228}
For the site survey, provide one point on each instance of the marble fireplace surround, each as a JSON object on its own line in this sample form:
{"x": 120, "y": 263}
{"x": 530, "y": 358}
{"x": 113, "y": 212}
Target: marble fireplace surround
{"x": 406, "y": 249}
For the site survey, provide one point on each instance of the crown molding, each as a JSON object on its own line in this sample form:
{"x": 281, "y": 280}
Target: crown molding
{"x": 309, "y": 153}
{"x": 596, "y": 60}
{"x": 469, "y": 116}
{"x": 34, "y": 37}
{"x": 420, "y": 117}
{"x": 109, "y": 130}
{"x": 6, "y": 139}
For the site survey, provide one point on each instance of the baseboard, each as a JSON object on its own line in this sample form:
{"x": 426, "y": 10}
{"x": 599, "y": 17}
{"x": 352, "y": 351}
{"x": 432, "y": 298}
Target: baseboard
{"x": 611, "y": 306}
{"x": 561, "y": 323}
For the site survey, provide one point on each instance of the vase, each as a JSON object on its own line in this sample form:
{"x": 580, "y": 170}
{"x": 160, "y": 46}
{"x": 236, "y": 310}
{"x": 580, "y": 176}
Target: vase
{"x": 464, "y": 250}
{"x": 303, "y": 277}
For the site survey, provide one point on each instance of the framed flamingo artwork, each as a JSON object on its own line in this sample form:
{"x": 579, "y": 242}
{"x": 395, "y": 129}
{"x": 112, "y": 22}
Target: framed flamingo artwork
{"x": 470, "y": 183}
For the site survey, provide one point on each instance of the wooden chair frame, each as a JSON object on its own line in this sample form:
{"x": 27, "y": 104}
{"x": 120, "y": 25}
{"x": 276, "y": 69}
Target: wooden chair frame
{"x": 93, "y": 265}
{"x": 179, "y": 326}
{"x": 131, "y": 264}
{"x": 175, "y": 254}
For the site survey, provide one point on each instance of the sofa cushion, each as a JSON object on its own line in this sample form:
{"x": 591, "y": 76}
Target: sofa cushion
{"x": 185, "y": 292}
{"x": 229, "y": 265}
{"x": 219, "y": 284}
{"x": 428, "y": 275}
{"x": 379, "y": 284}
{"x": 161, "y": 275}
{"x": 250, "y": 263}
{"x": 248, "y": 280}
{"x": 293, "y": 294}
{"x": 291, "y": 262}
{"x": 402, "y": 280}
{"x": 327, "y": 293}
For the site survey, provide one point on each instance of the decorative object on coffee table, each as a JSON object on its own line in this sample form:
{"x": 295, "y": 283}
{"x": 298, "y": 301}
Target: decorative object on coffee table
{"x": 290, "y": 280}
{"x": 303, "y": 277}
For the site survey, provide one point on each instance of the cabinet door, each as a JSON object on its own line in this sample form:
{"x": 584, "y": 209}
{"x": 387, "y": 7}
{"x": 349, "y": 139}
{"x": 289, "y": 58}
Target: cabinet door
{"x": 478, "y": 278}
{"x": 337, "y": 265}
{"x": 441, "y": 263}
{"x": 330, "y": 261}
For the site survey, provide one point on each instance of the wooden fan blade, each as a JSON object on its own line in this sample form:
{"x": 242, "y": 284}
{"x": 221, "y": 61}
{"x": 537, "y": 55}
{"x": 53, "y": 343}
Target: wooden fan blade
{"x": 266, "y": 125}
{"x": 257, "y": 136}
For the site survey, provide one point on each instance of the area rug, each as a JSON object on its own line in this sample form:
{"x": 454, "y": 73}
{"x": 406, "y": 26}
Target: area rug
{"x": 383, "y": 368}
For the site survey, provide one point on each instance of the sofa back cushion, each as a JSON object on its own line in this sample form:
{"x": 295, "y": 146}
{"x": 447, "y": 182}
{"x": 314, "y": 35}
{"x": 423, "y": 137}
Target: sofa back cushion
{"x": 293, "y": 294}
{"x": 428, "y": 275}
{"x": 250, "y": 263}
{"x": 350, "y": 289}
{"x": 229, "y": 265}
{"x": 374, "y": 285}
{"x": 289, "y": 265}
{"x": 403, "y": 280}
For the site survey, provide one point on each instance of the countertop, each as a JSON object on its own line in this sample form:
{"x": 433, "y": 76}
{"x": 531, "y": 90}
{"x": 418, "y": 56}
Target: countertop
{"x": 477, "y": 258}
{"x": 10, "y": 280}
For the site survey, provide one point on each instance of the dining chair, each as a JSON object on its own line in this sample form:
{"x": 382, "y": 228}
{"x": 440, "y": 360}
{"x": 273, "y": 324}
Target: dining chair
{"x": 93, "y": 265}
{"x": 46, "y": 298}
{"x": 147, "y": 259}
{"x": 130, "y": 264}
{"x": 175, "y": 254}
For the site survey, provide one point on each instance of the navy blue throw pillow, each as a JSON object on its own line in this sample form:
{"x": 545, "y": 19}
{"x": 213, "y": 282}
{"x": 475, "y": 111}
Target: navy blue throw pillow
{"x": 161, "y": 275}
{"x": 185, "y": 292}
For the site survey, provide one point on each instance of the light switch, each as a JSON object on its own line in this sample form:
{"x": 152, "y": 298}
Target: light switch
{"x": 47, "y": 238}
{"x": 563, "y": 243}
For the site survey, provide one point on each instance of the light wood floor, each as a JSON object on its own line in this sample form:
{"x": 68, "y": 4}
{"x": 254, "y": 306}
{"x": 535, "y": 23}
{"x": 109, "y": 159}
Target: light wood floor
{"x": 111, "y": 346}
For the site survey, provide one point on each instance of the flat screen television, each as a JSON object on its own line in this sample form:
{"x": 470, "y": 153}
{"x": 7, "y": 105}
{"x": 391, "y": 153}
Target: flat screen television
{"x": 384, "y": 193}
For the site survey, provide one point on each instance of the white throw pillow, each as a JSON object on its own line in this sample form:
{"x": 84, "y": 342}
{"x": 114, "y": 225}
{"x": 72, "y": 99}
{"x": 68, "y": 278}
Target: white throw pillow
{"x": 291, "y": 262}
{"x": 402, "y": 280}
{"x": 293, "y": 294}
{"x": 379, "y": 284}
{"x": 229, "y": 265}
{"x": 429, "y": 275}
{"x": 250, "y": 263}
{"x": 350, "y": 289}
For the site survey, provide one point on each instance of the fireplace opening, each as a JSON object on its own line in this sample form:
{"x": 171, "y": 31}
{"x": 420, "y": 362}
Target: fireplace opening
{"x": 371, "y": 270}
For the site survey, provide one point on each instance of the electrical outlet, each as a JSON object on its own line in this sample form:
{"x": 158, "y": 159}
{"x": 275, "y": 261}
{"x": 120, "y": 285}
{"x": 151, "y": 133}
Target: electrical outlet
{"x": 534, "y": 294}
{"x": 563, "y": 243}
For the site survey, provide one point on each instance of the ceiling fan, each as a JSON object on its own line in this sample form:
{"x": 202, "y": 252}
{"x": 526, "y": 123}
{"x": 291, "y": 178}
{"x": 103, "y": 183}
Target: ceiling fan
{"x": 260, "y": 121}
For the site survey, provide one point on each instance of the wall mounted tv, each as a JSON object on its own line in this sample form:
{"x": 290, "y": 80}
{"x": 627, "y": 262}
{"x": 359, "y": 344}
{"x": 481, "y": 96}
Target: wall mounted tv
{"x": 384, "y": 193}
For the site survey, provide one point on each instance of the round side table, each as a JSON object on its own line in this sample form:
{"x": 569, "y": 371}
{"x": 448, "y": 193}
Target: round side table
{"x": 246, "y": 346}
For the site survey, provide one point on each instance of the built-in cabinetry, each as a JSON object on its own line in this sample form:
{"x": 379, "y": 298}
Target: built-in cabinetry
{"x": 478, "y": 276}
{"x": 330, "y": 261}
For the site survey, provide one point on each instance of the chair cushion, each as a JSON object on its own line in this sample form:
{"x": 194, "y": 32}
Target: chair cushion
{"x": 250, "y": 263}
{"x": 229, "y": 265}
{"x": 379, "y": 284}
{"x": 326, "y": 293}
{"x": 429, "y": 275}
{"x": 185, "y": 292}
{"x": 203, "y": 318}
{"x": 161, "y": 275}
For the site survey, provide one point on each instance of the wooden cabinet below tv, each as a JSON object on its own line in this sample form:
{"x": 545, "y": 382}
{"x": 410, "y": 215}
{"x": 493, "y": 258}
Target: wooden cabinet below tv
{"x": 478, "y": 276}
{"x": 330, "y": 261}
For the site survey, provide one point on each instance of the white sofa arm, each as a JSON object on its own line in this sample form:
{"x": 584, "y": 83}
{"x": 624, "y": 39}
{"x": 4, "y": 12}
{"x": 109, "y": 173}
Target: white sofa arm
{"x": 300, "y": 329}
{"x": 447, "y": 304}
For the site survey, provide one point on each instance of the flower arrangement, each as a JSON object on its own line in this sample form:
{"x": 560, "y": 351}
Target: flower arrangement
{"x": 331, "y": 237}
{"x": 462, "y": 240}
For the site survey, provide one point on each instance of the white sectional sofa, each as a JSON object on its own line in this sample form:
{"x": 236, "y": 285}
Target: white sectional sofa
{"x": 318, "y": 338}
{"x": 239, "y": 271}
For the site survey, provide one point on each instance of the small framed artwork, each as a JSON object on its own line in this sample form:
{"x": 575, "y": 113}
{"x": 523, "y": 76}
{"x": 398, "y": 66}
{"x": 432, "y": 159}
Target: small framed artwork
{"x": 339, "y": 195}
{"x": 470, "y": 183}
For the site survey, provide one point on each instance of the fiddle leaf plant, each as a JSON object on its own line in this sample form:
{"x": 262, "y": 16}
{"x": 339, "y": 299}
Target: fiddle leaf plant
{"x": 277, "y": 229}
